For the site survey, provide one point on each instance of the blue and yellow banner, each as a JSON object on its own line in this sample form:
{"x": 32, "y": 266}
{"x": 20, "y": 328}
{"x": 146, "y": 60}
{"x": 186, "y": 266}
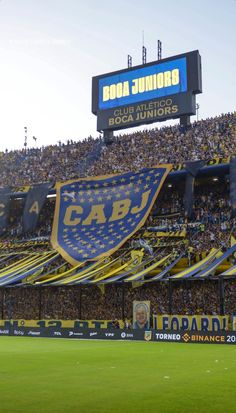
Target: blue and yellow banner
{"x": 57, "y": 324}
{"x": 4, "y": 208}
{"x": 95, "y": 216}
{"x": 35, "y": 200}
{"x": 195, "y": 322}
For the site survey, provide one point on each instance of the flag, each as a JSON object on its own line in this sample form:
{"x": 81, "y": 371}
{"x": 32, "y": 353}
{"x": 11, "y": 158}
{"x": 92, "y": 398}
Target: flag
{"x": 95, "y": 216}
{"x": 33, "y": 205}
{"x": 192, "y": 169}
{"x": 232, "y": 182}
{"x": 4, "y": 208}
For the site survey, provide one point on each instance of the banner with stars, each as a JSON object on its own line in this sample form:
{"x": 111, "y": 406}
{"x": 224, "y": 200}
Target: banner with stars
{"x": 95, "y": 216}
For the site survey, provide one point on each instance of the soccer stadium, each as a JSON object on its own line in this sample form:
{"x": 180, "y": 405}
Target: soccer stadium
{"x": 118, "y": 250}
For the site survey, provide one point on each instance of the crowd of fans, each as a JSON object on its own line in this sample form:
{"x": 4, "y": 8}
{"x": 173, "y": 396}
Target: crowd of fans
{"x": 116, "y": 301}
{"x": 210, "y": 224}
{"x": 206, "y": 139}
{"x": 46, "y": 164}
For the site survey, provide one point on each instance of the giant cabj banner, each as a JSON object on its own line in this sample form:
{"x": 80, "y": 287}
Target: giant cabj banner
{"x": 156, "y": 91}
{"x": 95, "y": 216}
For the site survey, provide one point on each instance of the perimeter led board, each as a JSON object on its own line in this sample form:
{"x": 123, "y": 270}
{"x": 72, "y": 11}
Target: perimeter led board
{"x": 157, "y": 91}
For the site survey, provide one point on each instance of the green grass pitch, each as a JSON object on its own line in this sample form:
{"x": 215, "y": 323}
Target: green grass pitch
{"x": 59, "y": 376}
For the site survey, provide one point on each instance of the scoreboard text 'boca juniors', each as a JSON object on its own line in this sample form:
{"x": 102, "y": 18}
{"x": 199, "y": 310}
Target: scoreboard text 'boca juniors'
{"x": 148, "y": 93}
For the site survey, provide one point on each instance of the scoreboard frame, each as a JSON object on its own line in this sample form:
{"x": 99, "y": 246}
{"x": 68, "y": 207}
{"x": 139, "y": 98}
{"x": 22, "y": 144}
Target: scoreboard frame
{"x": 129, "y": 111}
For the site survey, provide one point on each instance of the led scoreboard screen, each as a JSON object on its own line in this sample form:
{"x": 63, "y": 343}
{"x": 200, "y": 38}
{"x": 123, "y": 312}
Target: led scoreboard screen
{"x": 153, "y": 92}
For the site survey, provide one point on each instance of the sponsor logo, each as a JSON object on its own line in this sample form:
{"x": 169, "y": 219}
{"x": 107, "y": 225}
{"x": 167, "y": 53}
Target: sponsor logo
{"x": 4, "y": 331}
{"x": 34, "y": 333}
{"x": 126, "y": 335}
{"x": 93, "y": 334}
{"x": 168, "y": 336}
{"x": 57, "y": 333}
{"x": 18, "y": 333}
{"x": 204, "y": 338}
{"x": 73, "y": 334}
{"x": 109, "y": 334}
{"x": 186, "y": 338}
{"x": 147, "y": 335}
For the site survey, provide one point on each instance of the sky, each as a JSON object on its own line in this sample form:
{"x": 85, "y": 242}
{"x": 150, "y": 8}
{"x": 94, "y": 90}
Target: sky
{"x": 50, "y": 49}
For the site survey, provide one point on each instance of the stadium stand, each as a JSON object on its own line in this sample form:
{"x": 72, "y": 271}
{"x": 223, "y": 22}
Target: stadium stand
{"x": 207, "y": 139}
{"x": 171, "y": 242}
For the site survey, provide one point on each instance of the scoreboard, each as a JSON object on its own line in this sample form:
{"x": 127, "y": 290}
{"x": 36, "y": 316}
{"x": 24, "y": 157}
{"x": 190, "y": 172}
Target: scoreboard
{"x": 157, "y": 91}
